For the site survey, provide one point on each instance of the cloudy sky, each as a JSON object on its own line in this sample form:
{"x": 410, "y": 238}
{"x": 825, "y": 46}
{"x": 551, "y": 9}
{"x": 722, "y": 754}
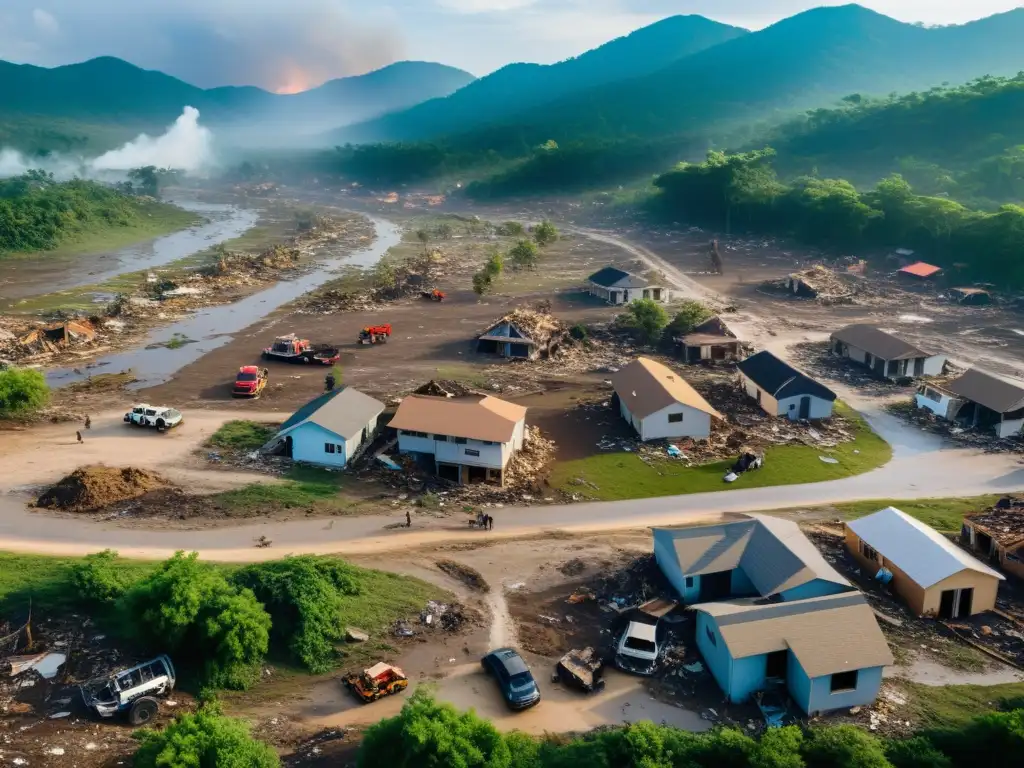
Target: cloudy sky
{"x": 300, "y": 43}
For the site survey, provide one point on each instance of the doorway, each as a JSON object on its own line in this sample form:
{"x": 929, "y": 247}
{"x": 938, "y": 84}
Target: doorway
{"x": 777, "y": 664}
{"x": 715, "y": 586}
{"x": 956, "y": 603}
{"x": 805, "y": 407}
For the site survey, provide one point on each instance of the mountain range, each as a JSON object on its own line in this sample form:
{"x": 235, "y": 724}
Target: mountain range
{"x": 808, "y": 60}
{"x": 107, "y": 90}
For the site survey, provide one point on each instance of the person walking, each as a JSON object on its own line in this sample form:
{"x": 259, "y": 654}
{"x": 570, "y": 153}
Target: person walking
{"x": 408, "y": 519}
{"x": 88, "y": 423}
{"x": 329, "y": 382}
{"x": 79, "y": 436}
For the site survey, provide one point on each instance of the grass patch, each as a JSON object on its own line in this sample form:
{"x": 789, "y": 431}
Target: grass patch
{"x": 942, "y": 514}
{"x": 464, "y": 373}
{"x": 241, "y": 435}
{"x": 303, "y": 488}
{"x": 951, "y": 706}
{"x": 611, "y": 476}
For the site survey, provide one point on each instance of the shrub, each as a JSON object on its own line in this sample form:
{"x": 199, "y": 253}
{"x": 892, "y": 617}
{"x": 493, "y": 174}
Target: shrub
{"x": 241, "y": 435}
{"x": 843, "y": 746}
{"x": 545, "y": 234}
{"x": 511, "y": 229}
{"x": 303, "y": 596}
{"x": 191, "y": 610}
{"x": 99, "y": 579}
{"x": 579, "y": 332}
{"x": 524, "y": 255}
{"x": 917, "y": 752}
{"x": 646, "y": 318}
{"x": 22, "y": 391}
{"x": 203, "y": 738}
{"x": 691, "y": 314}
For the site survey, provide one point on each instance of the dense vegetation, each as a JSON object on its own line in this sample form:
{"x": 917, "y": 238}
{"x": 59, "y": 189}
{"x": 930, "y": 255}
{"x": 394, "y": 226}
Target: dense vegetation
{"x": 22, "y": 390}
{"x": 200, "y": 739}
{"x": 802, "y": 62}
{"x": 220, "y": 625}
{"x": 38, "y": 213}
{"x": 428, "y": 733}
{"x": 965, "y": 141}
{"x": 743, "y": 191}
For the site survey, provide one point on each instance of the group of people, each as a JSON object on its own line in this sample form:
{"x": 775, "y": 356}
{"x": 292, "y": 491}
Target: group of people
{"x": 88, "y": 425}
{"x": 484, "y": 521}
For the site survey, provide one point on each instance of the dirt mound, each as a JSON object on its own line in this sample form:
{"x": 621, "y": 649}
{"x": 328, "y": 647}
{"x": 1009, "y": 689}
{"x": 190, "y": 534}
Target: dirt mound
{"x": 90, "y": 488}
{"x": 468, "y": 576}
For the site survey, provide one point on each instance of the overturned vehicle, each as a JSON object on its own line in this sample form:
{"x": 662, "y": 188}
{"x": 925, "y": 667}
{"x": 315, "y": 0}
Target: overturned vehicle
{"x": 132, "y": 692}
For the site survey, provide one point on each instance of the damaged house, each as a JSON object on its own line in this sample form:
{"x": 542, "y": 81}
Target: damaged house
{"x": 523, "y": 334}
{"x": 977, "y": 400}
{"x": 330, "y": 430}
{"x": 998, "y": 534}
{"x": 782, "y": 390}
{"x": 712, "y": 340}
{"x": 888, "y": 356}
{"x": 771, "y": 611}
{"x": 659, "y": 403}
{"x": 58, "y": 337}
{"x": 819, "y": 283}
{"x": 619, "y": 287}
{"x": 462, "y": 439}
{"x": 932, "y": 574}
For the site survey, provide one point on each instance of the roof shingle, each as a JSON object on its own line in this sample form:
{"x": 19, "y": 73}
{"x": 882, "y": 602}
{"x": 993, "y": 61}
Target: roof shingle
{"x": 479, "y": 418}
{"x": 878, "y": 342}
{"x": 647, "y": 386}
{"x": 781, "y": 380}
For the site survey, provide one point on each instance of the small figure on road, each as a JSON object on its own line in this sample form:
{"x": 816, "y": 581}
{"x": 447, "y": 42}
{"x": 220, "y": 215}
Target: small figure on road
{"x": 490, "y": 522}
{"x": 79, "y": 436}
{"x": 329, "y": 382}
{"x": 88, "y": 423}
{"x": 408, "y": 519}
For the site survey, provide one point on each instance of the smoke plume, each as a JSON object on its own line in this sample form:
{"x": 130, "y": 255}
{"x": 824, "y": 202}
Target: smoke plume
{"x": 185, "y": 146}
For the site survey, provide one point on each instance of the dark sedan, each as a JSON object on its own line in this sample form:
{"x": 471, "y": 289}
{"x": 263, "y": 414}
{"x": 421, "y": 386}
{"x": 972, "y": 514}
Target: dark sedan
{"x": 514, "y": 678}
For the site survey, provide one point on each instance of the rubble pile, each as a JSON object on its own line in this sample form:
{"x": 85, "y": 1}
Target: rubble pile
{"x": 818, "y": 283}
{"x": 816, "y": 359}
{"x": 527, "y": 465}
{"x": 544, "y": 329}
{"x": 95, "y": 487}
{"x": 982, "y": 439}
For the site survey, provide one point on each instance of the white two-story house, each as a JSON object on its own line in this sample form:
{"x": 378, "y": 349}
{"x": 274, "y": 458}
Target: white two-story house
{"x": 468, "y": 439}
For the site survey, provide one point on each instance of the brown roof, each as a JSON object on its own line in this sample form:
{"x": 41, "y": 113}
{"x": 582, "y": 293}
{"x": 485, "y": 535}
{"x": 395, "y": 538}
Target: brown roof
{"x": 878, "y": 342}
{"x": 479, "y": 418}
{"x": 646, "y": 387}
{"x": 831, "y": 634}
{"x": 1000, "y": 395}
{"x": 706, "y": 339}
{"x": 1006, "y": 526}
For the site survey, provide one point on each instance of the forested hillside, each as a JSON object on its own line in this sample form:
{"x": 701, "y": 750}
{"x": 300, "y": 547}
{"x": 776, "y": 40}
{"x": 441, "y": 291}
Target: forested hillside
{"x": 516, "y": 87}
{"x": 810, "y": 60}
{"x": 743, "y": 192}
{"x": 964, "y": 141}
{"x": 40, "y": 214}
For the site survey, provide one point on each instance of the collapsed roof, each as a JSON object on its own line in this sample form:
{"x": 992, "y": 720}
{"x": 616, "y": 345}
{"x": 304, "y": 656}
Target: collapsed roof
{"x": 987, "y": 389}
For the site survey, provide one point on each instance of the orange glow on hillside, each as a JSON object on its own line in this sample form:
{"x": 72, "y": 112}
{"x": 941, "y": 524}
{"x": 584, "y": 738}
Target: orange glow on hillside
{"x": 294, "y": 79}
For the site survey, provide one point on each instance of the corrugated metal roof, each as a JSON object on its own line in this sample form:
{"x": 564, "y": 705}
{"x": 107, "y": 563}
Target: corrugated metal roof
{"x": 646, "y": 387}
{"x": 921, "y": 552}
{"x": 878, "y": 342}
{"x": 921, "y": 269}
{"x": 831, "y": 634}
{"x": 345, "y": 412}
{"x": 772, "y": 552}
{"x": 1001, "y": 395}
{"x": 479, "y": 418}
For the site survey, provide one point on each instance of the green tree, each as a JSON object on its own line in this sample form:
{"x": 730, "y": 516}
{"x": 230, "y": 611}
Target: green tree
{"x": 22, "y": 390}
{"x": 524, "y": 255}
{"x": 646, "y": 318}
{"x": 145, "y": 180}
{"x": 495, "y": 264}
{"x": 304, "y": 598}
{"x": 843, "y": 746}
{"x": 511, "y": 229}
{"x": 691, "y": 313}
{"x": 424, "y": 237}
{"x": 483, "y": 283}
{"x": 203, "y": 739}
{"x": 445, "y": 231}
{"x": 384, "y": 276}
{"x": 429, "y": 734}
{"x": 545, "y": 234}
{"x": 99, "y": 577}
{"x": 779, "y": 748}
{"x": 191, "y": 610}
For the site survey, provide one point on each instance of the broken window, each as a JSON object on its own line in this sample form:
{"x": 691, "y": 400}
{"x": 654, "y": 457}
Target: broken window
{"x": 868, "y": 552}
{"x": 931, "y": 394}
{"x": 675, "y": 418}
{"x": 844, "y": 681}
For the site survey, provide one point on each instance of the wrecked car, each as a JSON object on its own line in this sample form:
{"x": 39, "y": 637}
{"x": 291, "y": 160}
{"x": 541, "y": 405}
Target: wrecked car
{"x": 132, "y": 692}
{"x": 581, "y": 669}
{"x": 637, "y": 651}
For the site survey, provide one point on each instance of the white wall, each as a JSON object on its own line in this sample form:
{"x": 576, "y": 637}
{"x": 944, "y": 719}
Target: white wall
{"x": 308, "y": 445}
{"x": 495, "y": 456}
{"x": 820, "y": 408}
{"x": 940, "y": 407}
{"x": 1009, "y": 427}
{"x": 768, "y": 403}
{"x": 695, "y": 423}
{"x": 934, "y": 365}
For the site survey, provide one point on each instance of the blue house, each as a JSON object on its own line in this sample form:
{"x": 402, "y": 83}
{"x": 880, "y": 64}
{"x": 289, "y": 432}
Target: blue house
{"x": 771, "y": 610}
{"x": 329, "y": 430}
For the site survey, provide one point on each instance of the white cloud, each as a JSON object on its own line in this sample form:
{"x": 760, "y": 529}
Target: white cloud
{"x": 485, "y": 6}
{"x": 45, "y": 21}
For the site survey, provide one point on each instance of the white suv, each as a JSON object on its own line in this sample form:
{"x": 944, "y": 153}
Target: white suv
{"x": 637, "y": 651}
{"x": 153, "y": 416}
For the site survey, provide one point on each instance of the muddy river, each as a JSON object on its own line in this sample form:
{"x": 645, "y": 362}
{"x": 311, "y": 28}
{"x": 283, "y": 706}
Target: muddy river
{"x": 214, "y": 327}
{"x": 34, "y": 275}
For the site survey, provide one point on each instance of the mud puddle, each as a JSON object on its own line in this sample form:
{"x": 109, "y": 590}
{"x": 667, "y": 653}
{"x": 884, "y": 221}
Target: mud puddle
{"x": 211, "y": 328}
{"x": 33, "y": 276}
